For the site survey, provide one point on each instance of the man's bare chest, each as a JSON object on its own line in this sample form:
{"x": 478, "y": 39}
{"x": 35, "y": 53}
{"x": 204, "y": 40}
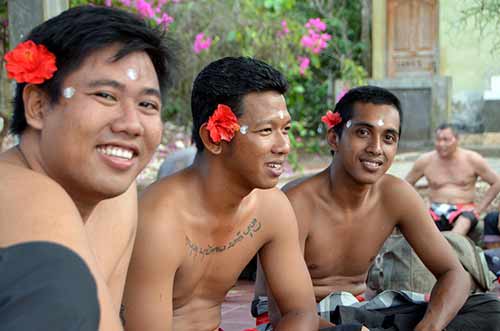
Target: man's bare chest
{"x": 337, "y": 247}
{"x": 440, "y": 176}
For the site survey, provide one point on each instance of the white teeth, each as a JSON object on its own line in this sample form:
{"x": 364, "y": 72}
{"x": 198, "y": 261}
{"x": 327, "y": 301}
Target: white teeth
{"x": 275, "y": 165}
{"x": 116, "y": 152}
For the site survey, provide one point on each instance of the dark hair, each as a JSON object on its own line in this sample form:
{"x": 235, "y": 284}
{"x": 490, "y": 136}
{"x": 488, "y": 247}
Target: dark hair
{"x": 444, "y": 126}
{"x": 227, "y": 81}
{"x": 78, "y": 32}
{"x": 365, "y": 94}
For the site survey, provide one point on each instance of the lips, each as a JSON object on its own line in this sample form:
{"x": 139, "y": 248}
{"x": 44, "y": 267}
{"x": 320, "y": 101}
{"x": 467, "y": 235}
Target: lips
{"x": 372, "y": 165}
{"x": 275, "y": 168}
{"x": 118, "y": 156}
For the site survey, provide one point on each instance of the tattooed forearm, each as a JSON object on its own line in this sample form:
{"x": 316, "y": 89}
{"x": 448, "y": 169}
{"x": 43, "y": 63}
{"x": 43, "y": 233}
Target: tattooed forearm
{"x": 194, "y": 249}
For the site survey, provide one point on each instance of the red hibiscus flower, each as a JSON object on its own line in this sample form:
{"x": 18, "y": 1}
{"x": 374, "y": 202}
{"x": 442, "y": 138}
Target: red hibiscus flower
{"x": 222, "y": 124}
{"x": 30, "y": 63}
{"x": 331, "y": 119}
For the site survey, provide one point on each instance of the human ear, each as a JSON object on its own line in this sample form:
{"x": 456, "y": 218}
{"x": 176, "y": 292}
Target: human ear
{"x": 36, "y": 105}
{"x": 333, "y": 139}
{"x": 210, "y": 145}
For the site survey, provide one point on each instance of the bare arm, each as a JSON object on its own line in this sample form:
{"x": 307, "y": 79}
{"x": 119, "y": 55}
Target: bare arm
{"x": 149, "y": 287}
{"x": 486, "y": 173}
{"x": 417, "y": 171}
{"x": 453, "y": 283}
{"x": 286, "y": 272}
{"x": 51, "y": 216}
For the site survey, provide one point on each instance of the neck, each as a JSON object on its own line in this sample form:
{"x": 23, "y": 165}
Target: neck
{"x": 344, "y": 189}
{"x": 221, "y": 191}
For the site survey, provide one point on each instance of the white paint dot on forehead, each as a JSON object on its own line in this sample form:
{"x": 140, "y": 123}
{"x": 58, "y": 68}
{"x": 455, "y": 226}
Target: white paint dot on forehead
{"x": 132, "y": 74}
{"x": 380, "y": 122}
{"x": 244, "y": 129}
{"x": 281, "y": 114}
{"x": 348, "y": 124}
{"x": 69, "y": 92}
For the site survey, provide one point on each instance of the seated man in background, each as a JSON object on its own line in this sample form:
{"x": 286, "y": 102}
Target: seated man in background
{"x": 90, "y": 83}
{"x": 200, "y": 227}
{"x": 452, "y": 173}
{"x": 346, "y": 212}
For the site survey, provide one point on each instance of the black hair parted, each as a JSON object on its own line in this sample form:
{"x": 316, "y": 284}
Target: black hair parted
{"x": 227, "y": 81}
{"x": 78, "y": 32}
{"x": 365, "y": 94}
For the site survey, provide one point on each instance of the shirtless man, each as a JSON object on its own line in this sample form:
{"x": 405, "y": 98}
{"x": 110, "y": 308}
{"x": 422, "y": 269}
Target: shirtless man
{"x": 87, "y": 114}
{"x": 346, "y": 212}
{"x": 200, "y": 227}
{"x": 452, "y": 173}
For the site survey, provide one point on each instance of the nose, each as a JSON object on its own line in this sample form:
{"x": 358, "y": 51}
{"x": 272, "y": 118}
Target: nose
{"x": 128, "y": 121}
{"x": 375, "y": 146}
{"x": 281, "y": 144}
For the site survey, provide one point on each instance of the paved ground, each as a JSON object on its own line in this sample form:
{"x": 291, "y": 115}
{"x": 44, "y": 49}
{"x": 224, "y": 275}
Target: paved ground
{"x": 236, "y": 308}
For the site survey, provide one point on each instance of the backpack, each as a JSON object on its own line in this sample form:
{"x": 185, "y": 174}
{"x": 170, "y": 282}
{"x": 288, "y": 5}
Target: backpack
{"x": 397, "y": 267}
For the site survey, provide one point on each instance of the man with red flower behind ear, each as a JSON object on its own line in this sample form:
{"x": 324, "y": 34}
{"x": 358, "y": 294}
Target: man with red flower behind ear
{"x": 90, "y": 83}
{"x": 200, "y": 227}
{"x": 347, "y": 211}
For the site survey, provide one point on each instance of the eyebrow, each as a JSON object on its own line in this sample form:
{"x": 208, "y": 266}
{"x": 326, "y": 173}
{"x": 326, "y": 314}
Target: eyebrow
{"x": 120, "y": 86}
{"x": 371, "y": 125}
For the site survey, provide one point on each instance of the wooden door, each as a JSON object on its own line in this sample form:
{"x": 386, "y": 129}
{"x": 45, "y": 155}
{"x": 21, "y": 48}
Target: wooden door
{"x": 412, "y": 45}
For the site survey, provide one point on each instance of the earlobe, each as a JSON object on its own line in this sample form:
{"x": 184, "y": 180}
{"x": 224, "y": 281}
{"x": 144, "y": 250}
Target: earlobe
{"x": 332, "y": 139}
{"x": 35, "y": 106}
{"x": 210, "y": 145}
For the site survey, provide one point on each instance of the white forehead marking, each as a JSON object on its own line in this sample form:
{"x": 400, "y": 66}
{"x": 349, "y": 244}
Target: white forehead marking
{"x": 68, "y": 92}
{"x": 244, "y": 129}
{"x": 282, "y": 115}
{"x": 132, "y": 74}
{"x": 380, "y": 122}
{"x": 348, "y": 124}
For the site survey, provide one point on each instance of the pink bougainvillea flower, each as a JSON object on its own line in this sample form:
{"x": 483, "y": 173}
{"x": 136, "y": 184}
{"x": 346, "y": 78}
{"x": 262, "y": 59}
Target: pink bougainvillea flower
{"x": 201, "y": 42}
{"x": 165, "y": 20}
{"x": 222, "y": 124}
{"x": 144, "y": 8}
{"x": 304, "y": 63}
{"x": 331, "y": 119}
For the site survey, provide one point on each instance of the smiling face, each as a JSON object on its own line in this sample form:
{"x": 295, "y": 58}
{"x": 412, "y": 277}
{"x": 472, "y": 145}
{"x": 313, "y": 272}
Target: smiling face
{"x": 368, "y": 147}
{"x": 258, "y": 155}
{"x": 95, "y": 142}
{"x": 446, "y": 142}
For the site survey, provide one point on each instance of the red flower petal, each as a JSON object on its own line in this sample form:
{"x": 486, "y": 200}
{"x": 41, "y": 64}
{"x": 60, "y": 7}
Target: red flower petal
{"x": 222, "y": 124}
{"x": 30, "y": 63}
{"x": 331, "y": 119}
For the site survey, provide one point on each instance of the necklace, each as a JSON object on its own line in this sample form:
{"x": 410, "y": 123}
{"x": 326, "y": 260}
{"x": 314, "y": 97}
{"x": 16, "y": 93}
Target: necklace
{"x": 23, "y": 156}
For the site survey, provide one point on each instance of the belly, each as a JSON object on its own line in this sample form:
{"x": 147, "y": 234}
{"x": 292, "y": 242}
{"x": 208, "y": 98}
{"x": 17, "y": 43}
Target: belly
{"x": 323, "y": 286}
{"x": 197, "y": 315}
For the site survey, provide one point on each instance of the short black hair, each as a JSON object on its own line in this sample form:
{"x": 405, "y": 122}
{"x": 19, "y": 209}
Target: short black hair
{"x": 365, "y": 94}
{"x": 444, "y": 126}
{"x": 227, "y": 81}
{"x": 77, "y": 33}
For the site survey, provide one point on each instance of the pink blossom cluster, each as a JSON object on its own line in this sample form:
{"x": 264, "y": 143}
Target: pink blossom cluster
{"x": 148, "y": 10}
{"x": 284, "y": 30}
{"x": 315, "y": 39}
{"x": 201, "y": 42}
{"x": 304, "y": 63}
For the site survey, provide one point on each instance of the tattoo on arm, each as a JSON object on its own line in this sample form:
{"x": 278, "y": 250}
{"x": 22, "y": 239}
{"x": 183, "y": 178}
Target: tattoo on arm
{"x": 195, "y": 249}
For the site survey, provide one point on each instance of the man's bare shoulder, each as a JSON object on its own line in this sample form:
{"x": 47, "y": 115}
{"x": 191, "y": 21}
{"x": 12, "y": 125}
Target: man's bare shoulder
{"x": 161, "y": 206}
{"x": 471, "y": 156}
{"x": 397, "y": 195}
{"x": 304, "y": 190}
{"x": 392, "y": 187}
{"x": 37, "y": 203}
